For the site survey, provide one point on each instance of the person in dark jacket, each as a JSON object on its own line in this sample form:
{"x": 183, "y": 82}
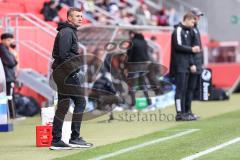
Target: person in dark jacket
{"x": 182, "y": 62}
{"x": 9, "y": 64}
{"x": 198, "y": 58}
{"x": 136, "y": 54}
{"x": 139, "y": 50}
{"x": 50, "y": 11}
{"x": 65, "y": 49}
{"x": 194, "y": 79}
{"x": 70, "y": 3}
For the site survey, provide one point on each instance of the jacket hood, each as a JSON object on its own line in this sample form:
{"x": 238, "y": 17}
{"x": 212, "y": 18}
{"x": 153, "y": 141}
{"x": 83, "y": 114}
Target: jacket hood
{"x": 62, "y": 25}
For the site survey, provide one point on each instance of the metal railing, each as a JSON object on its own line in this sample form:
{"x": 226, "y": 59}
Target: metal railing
{"x": 29, "y": 45}
{"x": 35, "y": 21}
{"x": 44, "y": 24}
{"x": 39, "y": 47}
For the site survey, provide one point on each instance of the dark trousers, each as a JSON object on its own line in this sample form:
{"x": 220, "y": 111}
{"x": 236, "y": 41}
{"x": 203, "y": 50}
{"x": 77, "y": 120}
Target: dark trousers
{"x": 153, "y": 75}
{"x": 11, "y": 105}
{"x": 192, "y": 84}
{"x": 62, "y": 109}
{"x": 185, "y": 86}
{"x": 138, "y": 83}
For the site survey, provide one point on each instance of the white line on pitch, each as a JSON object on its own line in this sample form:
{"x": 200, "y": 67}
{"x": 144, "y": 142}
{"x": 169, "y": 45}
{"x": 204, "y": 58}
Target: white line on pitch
{"x": 236, "y": 140}
{"x": 145, "y": 144}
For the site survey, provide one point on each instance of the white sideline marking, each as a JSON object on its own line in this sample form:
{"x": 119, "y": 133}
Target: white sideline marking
{"x": 212, "y": 149}
{"x": 145, "y": 144}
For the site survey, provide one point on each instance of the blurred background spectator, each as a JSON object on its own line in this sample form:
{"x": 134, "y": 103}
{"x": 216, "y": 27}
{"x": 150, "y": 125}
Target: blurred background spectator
{"x": 173, "y": 17}
{"x": 121, "y": 9}
{"x": 144, "y": 15}
{"x": 50, "y": 11}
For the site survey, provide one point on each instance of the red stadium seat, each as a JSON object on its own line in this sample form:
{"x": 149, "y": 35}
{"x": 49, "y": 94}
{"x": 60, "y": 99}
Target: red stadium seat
{"x": 54, "y": 24}
{"x": 62, "y": 14}
{"x": 7, "y": 8}
{"x": 32, "y": 8}
{"x": 36, "y": 2}
{"x": 14, "y": 1}
{"x": 39, "y": 15}
{"x": 11, "y": 8}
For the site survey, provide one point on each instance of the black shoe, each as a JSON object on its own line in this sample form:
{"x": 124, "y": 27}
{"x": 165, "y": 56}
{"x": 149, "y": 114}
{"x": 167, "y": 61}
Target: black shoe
{"x": 60, "y": 145}
{"x": 189, "y": 117}
{"x": 184, "y": 117}
{"x": 178, "y": 117}
{"x": 79, "y": 143}
{"x": 194, "y": 116}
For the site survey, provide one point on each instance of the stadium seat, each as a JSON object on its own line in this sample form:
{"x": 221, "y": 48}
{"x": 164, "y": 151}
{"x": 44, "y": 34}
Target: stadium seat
{"x": 7, "y": 8}
{"x": 36, "y": 2}
{"x": 14, "y": 1}
{"x": 32, "y": 8}
{"x": 11, "y": 8}
{"x": 54, "y": 24}
{"x": 62, "y": 14}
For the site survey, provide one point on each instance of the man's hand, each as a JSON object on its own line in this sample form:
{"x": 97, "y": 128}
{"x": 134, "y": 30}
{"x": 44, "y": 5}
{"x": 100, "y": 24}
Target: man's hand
{"x": 193, "y": 69}
{"x": 14, "y": 52}
{"x": 196, "y": 49}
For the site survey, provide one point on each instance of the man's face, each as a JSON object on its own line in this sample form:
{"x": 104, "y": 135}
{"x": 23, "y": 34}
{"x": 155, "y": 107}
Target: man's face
{"x": 76, "y": 18}
{"x": 7, "y": 42}
{"x": 197, "y": 19}
{"x": 190, "y": 22}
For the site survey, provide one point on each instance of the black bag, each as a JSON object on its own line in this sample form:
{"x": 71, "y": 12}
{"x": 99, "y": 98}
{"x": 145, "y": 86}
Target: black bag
{"x": 219, "y": 94}
{"x": 26, "y": 106}
{"x": 237, "y": 90}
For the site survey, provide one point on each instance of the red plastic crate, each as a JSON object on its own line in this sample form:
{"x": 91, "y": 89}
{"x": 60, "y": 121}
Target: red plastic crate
{"x": 43, "y": 136}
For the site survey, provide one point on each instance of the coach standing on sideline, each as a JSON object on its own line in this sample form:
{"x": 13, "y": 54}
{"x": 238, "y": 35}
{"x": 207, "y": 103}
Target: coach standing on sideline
{"x": 198, "y": 61}
{"x": 182, "y": 63}
{"x": 65, "y": 48}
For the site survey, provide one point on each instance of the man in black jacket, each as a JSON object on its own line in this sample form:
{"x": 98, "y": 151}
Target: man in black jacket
{"x": 182, "y": 63}
{"x": 66, "y": 49}
{"x": 194, "y": 78}
{"x": 9, "y": 64}
{"x": 137, "y": 54}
